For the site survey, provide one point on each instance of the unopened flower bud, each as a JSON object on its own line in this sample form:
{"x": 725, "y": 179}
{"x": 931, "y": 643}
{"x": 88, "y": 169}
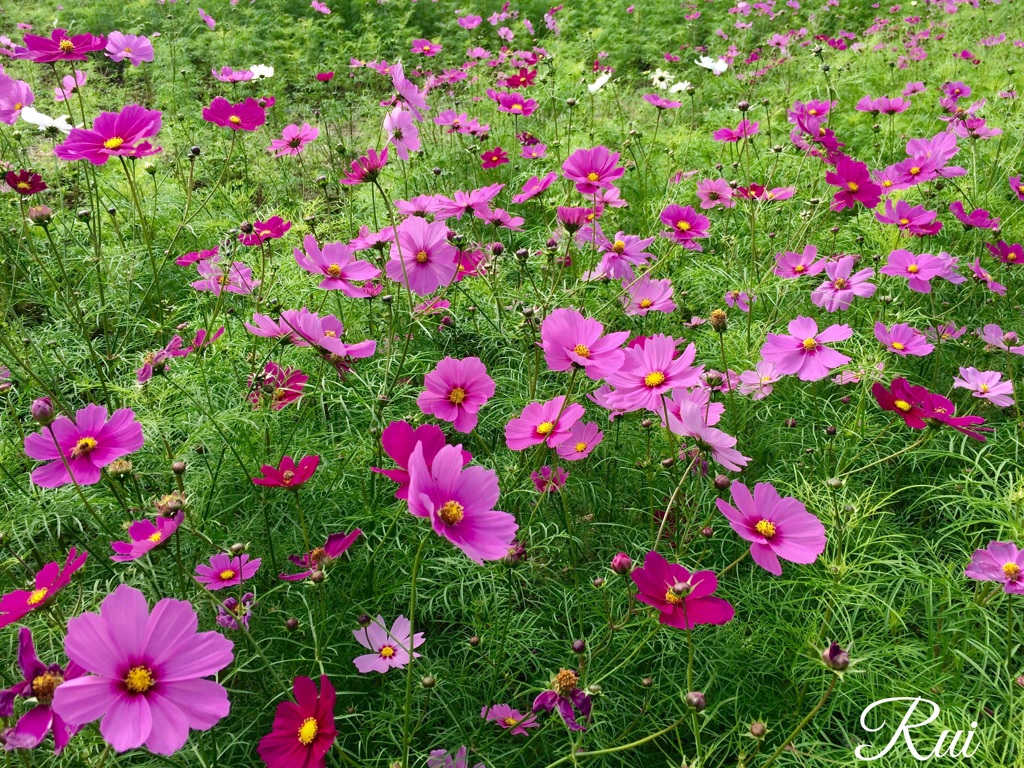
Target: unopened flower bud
{"x": 196, "y": 151}
{"x": 598, "y": 582}
{"x": 666, "y": 463}
{"x": 743, "y": 106}
{"x": 834, "y": 483}
{"x": 579, "y": 646}
{"x": 179, "y": 467}
{"x": 291, "y": 624}
{"x": 719, "y": 320}
{"x": 120, "y": 469}
{"x": 84, "y": 214}
{"x": 646, "y": 423}
{"x": 790, "y": 423}
{"x": 149, "y": 168}
{"x": 428, "y": 681}
{"x": 474, "y": 641}
{"x": 237, "y": 548}
{"x": 695, "y": 700}
{"x": 363, "y": 620}
{"x": 245, "y": 228}
{"x": 835, "y": 658}
{"x": 707, "y": 532}
{"x": 647, "y": 682}
{"x": 758, "y": 729}
{"x": 318, "y": 577}
{"x": 42, "y": 411}
{"x": 622, "y": 564}
{"x": 722, "y": 482}
{"x": 40, "y": 215}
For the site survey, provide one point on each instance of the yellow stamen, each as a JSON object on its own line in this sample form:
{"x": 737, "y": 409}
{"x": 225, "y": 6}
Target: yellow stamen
{"x": 646, "y": 303}
{"x": 766, "y": 528}
{"x": 66, "y": 46}
{"x": 654, "y": 379}
{"x": 387, "y": 651}
{"x": 308, "y": 731}
{"x": 683, "y": 226}
{"x": 38, "y": 595}
{"x": 799, "y": 269}
{"x": 451, "y": 512}
{"x": 592, "y": 176}
{"x": 580, "y": 447}
{"x": 113, "y": 143}
{"x": 83, "y": 447}
{"x": 421, "y": 257}
{"x": 235, "y": 120}
{"x": 672, "y": 598}
{"x": 903, "y": 405}
{"x": 1012, "y": 571}
{"x": 853, "y": 186}
{"x": 810, "y": 344}
{"x": 565, "y": 682}
{"x": 139, "y": 679}
{"x": 898, "y": 346}
{"x": 457, "y": 396}
{"x": 334, "y": 270}
{"x": 582, "y": 350}
{"x": 226, "y": 574}
{"x": 913, "y": 269}
{"x": 156, "y": 537}
{"x": 44, "y": 685}
{"x": 545, "y": 427}
{"x": 618, "y": 247}
{"x": 24, "y": 185}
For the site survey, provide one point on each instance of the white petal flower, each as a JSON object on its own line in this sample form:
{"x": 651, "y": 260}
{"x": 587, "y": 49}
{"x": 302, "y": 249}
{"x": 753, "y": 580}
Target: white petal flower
{"x": 598, "y": 84}
{"x": 261, "y": 71}
{"x": 717, "y": 66}
{"x": 34, "y": 117}
{"x": 679, "y": 87}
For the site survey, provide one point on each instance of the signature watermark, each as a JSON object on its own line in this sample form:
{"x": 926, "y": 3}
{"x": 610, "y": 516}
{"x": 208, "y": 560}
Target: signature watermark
{"x": 916, "y": 715}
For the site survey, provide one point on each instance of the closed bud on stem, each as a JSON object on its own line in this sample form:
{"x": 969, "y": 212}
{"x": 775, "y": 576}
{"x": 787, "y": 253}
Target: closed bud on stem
{"x": 474, "y": 641}
{"x": 428, "y": 681}
{"x": 363, "y": 620}
{"x": 579, "y": 646}
{"x": 695, "y": 700}
{"x": 758, "y": 729}
{"x": 237, "y": 548}
{"x": 291, "y": 624}
{"x": 179, "y": 467}
{"x": 621, "y": 564}
{"x": 835, "y": 658}
{"x": 42, "y": 411}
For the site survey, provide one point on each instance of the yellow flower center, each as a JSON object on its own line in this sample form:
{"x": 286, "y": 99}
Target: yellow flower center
{"x": 83, "y": 447}
{"x": 516, "y": 107}
{"x": 903, "y": 405}
{"x": 113, "y": 142}
{"x": 24, "y": 185}
{"x": 334, "y": 270}
{"x": 66, "y": 46}
{"x": 618, "y": 247}
{"x": 330, "y": 334}
{"x": 287, "y": 476}
{"x": 545, "y": 427}
{"x": 654, "y": 379}
{"x": 44, "y": 685}
{"x": 886, "y": 183}
{"x": 565, "y": 682}
{"x": 672, "y": 598}
{"x": 426, "y": 49}
{"x": 646, "y": 303}
{"x": 308, "y": 731}
{"x": 156, "y": 537}
{"x": 421, "y": 257}
{"x": 580, "y": 447}
{"x": 898, "y": 346}
{"x": 127, "y": 50}
{"x": 914, "y": 171}
{"x": 840, "y": 283}
{"x": 226, "y": 574}
{"x": 582, "y": 350}
{"x": 387, "y": 651}
{"x": 1012, "y": 571}
{"x": 904, "y": 221}
{"x": 457, "y": 396}
{"x": 852, "y": 186}
{"x": 494, "y": 158}
{"x": 508, "y": 722}
{"x": 235, "y": 120}
{"x": 913, "y": 269}
{"x": 799, "y": 268}
{"x": 451, "y": 512}
{"x": 1021, "y": 189}
{"x": 683, "y": 226}
{"x": 810, "y": 344}
{"x": 592, "y": 176}
{"x": 812, "y": 112}
{"x": 18, "y": 105}
{"x": 38, "y": 595}
{"x": 766, "y": 528}
{"x": 139, "y": 679}
{"x": 983, "y": 388}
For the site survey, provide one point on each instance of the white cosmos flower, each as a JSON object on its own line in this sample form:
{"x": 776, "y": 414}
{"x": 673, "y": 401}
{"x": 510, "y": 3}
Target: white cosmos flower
{"x": 679, "y": 87}
{"x": 717, "y": 66}
{"x": 598, "y": 84}
{"x": 261, "y": 71}
{"x": 661, "y": 79}
{"x": 34, "y": 117}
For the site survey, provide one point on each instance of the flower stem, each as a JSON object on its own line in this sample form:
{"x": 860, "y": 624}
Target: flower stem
{"x": 407, "y": 727}
{"x": 803, "y": 723}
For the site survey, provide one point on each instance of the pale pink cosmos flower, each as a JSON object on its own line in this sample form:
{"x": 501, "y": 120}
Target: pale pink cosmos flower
{"x": 903, "y": 340}
{"x": 689, "y": 421}
{"x": 219, "y": 276}
{"x": 1001, "y": 562}
{"x": 804, "y": 351}
{"x": 838, "y": 292}
{"x": 986, "y": 385}
{"x": 69, "y": 85}
{"x": 389, "y": 649}
{"x": 402, "y": 132}
{"x": 984, "y": 276}
{"x": 619, "y": 253}
{"x": 294, "y": 139}
{"x": 534, "y": 187}
{"x": 647, "y": 295}
{"x": 712, "y": 192}
{"x": 422, "y": 258}
{"x": 758, "y": 382}
{"x": 741, "y": 300}
{"x": 135, "y": 48}
{"x": 994, "y": 338}
{"x": 790, "y": 264}
{"x": 335, "y": 262}
{"x": 919, "y": 269}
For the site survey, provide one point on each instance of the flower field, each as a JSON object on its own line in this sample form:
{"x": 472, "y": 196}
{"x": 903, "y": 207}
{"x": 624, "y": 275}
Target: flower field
{"x": 466, "y": 385}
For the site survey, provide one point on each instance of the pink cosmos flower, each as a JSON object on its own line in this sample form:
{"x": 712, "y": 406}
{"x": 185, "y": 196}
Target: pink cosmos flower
{"x": 422, "y": 258}
{"x": 77, "y": 450}
{"x": 70, "y": 84}
{"x": 714, "y": 192}
{"x": 994, "y": 338}
{"x": 367, "y": 168}
{"x": 548, "y": 480}
{"x": 321, "y": 558}
{"x": 147, "y": 673}
{"x": 247, "y": 115}
{"x": 741, "y": 300}
{"x": 230, "y": 75}
{"x": 273, "y": 228}
{"x": 903, "y": 340}
{"x": 592, "y": 169}
{"x": 584, "y": 437}
{"x": 402, "y": 132}
{"x": 226, "y": 571}
{"x": 220, "y": 276}
{"x": 426, "y": 47}
{"x": 157, "y": 362}
{"x": 915, "y": 220}
{"x": 407, "y": 93}
{"x": 1001, "y": 562}
{"x": 650, "y": 372}
{"x": 38, "y": 684}
{"x": 776, "y": 527}
{"x": 918, "y": 269}
{"x": 303, "y": 732}
{"x": 50, "y": 580}
{"x": 547, "y": 423}
{"x": 982, "y": 275}
{"x": 744, "y": 130}
{"x": 619, "y": 254}
{"x": 563, "y": 695}
{"x": 568, "y": 339}
{"x": 533, "y": 151}
{"x": 1006, "y": 252}
{"x": 855, "y": 185}
{"x": 208, "y": 20}
{"x": 918, "y": 407}
{"x": 803, "y": 352}
{"x": 475, "y": 202}
{"x": 790, "y": 264}
{"x": 279, "y": 386}
{"x": 59, "y": 46}
{"x": 842, "y": 286}
{"x": 1016, "y": 186}
{"x": 509, "y": 719}
{"x": 492, "y": 158}
{"x": 683, "y": 599}
{"x": 399, "y": 439}
{"x": 456, "y": 390}
{"x": 135, "y": 48}
{"x": 320, "y": 7}
{"x": 758, "y": 382}
{"x": 288, "y": 474}
{"x": 660, "y": 102}
{"x": 986, "y": 385}
{"x": 293, "y": 140}
{"x": 978, "y": 218}
{"x": 647, "y": 295}
{"x": 113, "y": 134}
{"x": 689, "y": 419}
{"x": 685, "y": 226}
{"x": 534, "y": 187}
{"x": 513, "y": 103}
{"x": 15, "y": 95}
{"x": 335, "y": 262}
{"x": 145, "y": 536}
{"x": 939, "y": 333}
{"x": 194, "y": 256}
{"x": 459, "y": 502}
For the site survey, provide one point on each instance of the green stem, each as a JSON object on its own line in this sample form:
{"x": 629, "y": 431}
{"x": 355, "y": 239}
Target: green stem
{"x": 407, "y": 727}
{"x": 804, "y": 722}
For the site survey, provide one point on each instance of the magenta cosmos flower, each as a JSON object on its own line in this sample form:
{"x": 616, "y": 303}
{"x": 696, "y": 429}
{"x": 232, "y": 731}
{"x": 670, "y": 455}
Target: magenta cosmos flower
{"x": 903, "y": 340}
{"x": 534, "y": 187}
{"x": 218, "y": 276}
{"x": 422, "y": 258}
{"x": 584, "y": 437}
{"x": 78, "y": 450}
{"x": 684, "y": 226}
{"x": 712, "y": 192}
{"x": 459, "y": 502}
{"x": 855, "y": 185}
{"x": 619, "y": 254}
{"x": 570, "y": 339}
{"x": 456, "y": 390}
{"x": 651, "y": 371}
{"x": 135, "y": 48}
{"x": 399, "y": 439}
{"x": 147, "y": 673}
{"x": 39, "y": 682}
{"x": 280, "y": 385}
{"x": 226, "y": 571}
{"x": 509, "y": 719}
{"x": 548, "y": 480}
{"x": 918, "y": 408}
{"x": 273, "y": 228}
{"x": 48, "y": 582}
{"x": 294, "y": 139}
{"x": 288, "y": 474}
{"x": 304, "y": 732}
{"x": 113, "y": 134}
{"x": 647, "y": 295}
{"x": 389, "y": 649}
{"x": 1001, "y": 562}
{"x": 145, "y": 536}
{"x": 683, "y": 599}
{"x": 914, "y": 220}
{"x": 336, "y": 263}
{"x": 745, "y": 129}
{"x": 918, "y": 269}
{"x": 492, "y": 158}
{"x": 843, "y": 285}
{"x": 803, "y": 352}
{"x": 25, "y": 183}
{"x": 592, "y": 169}
{"x": 59, "y": 46}
{"x": 790, "y": 264}
{"x": 978, "y": 218}
{"x": 440, "y": 758}
{"x": 367, "y": 168}
{"x": 986, "y": 385}
{"x": 247, "y": 115}
{"x": 547, "y": 423}
{"x": 320, "y": 558}
{"x": 776, "y": 526}
{"x": 565, "y": 694}
{"x": 426, "y": 48}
